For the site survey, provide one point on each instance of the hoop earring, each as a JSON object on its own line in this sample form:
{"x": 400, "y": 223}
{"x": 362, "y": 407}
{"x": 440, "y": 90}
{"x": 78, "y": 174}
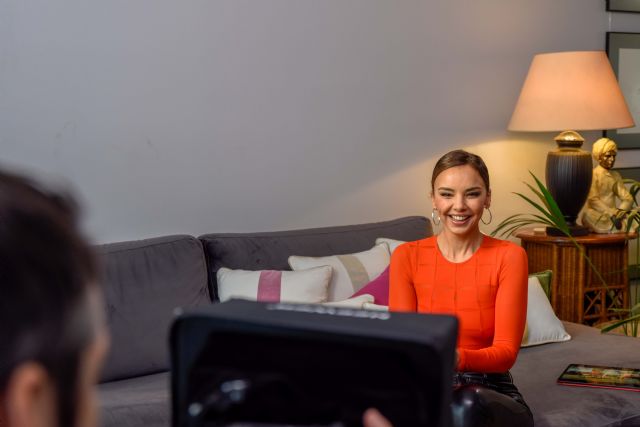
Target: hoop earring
{"x": 433, "y": 217}
{"x": 490, "y": 218}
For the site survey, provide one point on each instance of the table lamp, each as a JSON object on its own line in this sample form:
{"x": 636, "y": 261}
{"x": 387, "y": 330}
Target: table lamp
{"x": 569, "y": 91}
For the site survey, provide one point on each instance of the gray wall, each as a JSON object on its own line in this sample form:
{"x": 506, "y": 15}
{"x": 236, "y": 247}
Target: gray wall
{"x": 239, "y": 115}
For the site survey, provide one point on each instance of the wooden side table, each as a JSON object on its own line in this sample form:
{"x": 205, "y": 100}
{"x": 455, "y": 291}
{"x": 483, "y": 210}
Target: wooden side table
{"x": 577, "y": 294}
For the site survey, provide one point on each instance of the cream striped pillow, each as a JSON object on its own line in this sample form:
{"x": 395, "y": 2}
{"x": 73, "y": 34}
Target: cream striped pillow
{"x": 350, "y": 272}
{"x": 392, "y": 243}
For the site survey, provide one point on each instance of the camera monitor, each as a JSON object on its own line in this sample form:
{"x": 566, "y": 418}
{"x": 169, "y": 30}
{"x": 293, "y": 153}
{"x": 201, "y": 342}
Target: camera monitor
{"x": 242, "y": 363}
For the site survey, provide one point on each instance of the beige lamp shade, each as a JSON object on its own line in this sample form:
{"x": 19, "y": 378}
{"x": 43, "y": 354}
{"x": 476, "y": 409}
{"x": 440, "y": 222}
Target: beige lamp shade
{"x": 570, "y": 90}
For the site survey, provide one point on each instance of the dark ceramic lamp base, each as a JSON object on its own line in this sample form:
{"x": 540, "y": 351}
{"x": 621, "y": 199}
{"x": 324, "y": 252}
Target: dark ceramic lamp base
{"x": 568, "y": 176}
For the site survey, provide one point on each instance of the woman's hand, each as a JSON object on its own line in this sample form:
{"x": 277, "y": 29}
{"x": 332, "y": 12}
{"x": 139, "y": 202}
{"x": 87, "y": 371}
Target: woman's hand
{"x": 373, "y": 418}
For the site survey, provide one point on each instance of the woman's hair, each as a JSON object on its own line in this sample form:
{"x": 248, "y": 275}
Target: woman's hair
{"x": 460, "y": 158}
{"x": 46, "y": 268}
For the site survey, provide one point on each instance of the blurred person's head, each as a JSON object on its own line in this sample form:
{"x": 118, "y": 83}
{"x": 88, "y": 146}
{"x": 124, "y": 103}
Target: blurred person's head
{"x": 52, "y": 331}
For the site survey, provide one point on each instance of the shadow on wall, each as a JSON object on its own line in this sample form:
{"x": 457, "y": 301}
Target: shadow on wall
{"x": 406, "y": 191}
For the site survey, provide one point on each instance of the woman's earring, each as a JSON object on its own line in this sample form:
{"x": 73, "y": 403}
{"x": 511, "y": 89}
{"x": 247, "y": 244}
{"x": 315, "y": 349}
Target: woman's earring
{"x": 490, "y": 218}
{"x": 433, "y": 217}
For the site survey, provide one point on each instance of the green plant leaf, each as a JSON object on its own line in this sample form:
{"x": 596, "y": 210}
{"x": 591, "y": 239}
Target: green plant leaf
{"x": 538, "y": 207}
{"x": 549, "y": 214}
{"x": 537, "y": 193}
{"x": 620, "y": 323}
{"x": 553, "y": 206}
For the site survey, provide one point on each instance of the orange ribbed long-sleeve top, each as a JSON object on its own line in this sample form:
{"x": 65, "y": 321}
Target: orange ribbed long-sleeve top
{"x": 487, "y": 293}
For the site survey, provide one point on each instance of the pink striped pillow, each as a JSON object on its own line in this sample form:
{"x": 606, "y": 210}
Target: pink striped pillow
{"x": 305, "y": 286}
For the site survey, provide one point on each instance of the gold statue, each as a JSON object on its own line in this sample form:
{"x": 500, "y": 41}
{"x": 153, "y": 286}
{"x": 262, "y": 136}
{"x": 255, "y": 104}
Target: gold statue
{"x": 600, "y": 213}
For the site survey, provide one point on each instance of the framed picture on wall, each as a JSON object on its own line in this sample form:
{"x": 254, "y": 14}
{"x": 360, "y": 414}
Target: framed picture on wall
{"x": 623, "y": 6}
{"x": 623, "y": 50}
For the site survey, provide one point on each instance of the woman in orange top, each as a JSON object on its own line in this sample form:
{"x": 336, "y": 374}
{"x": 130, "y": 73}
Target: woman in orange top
{"x": 483, "y": 281}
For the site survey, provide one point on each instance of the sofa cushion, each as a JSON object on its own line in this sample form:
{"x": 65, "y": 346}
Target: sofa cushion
{"x": 353, "y": 302}
{"x": 350, "y": 271}
{"x": 135, "y": 402}
{"x": 391, "y": 243}
{"x": 306, "y": 286}
{"x": 270, "y": 250}
{"x": 544, "y": 277}
{"x": 144, "y": 281}
{"x": 378, "y": 288}
{"x": 542, "y": 326}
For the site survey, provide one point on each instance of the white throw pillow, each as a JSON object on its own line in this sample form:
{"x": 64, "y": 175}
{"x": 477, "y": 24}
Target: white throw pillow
{"x": 350, "y": 272}
{"x": 392, "y": 244}
{"x": 306, "y": 286}
{"x": 373, "y": 306}
{"x": 355, "y": 302}
{"x": 542, "y": 324}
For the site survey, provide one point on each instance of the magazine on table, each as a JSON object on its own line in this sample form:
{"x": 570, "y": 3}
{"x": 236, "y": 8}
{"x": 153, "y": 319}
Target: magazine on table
{"x": 601, "y": 376}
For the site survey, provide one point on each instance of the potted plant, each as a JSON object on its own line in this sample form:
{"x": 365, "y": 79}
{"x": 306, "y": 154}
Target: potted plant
{"x": 548, "y": 213}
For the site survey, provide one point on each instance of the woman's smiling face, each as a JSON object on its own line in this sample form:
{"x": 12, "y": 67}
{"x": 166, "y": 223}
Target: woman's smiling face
{"x": 460, "y": 197}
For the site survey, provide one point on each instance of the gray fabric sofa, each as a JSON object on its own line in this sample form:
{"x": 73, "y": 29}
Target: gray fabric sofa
{"x": 145, "y": 281}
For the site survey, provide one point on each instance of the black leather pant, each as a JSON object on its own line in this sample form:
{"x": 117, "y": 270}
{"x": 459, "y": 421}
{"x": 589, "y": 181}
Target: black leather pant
{"x": 488, "y": 400}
